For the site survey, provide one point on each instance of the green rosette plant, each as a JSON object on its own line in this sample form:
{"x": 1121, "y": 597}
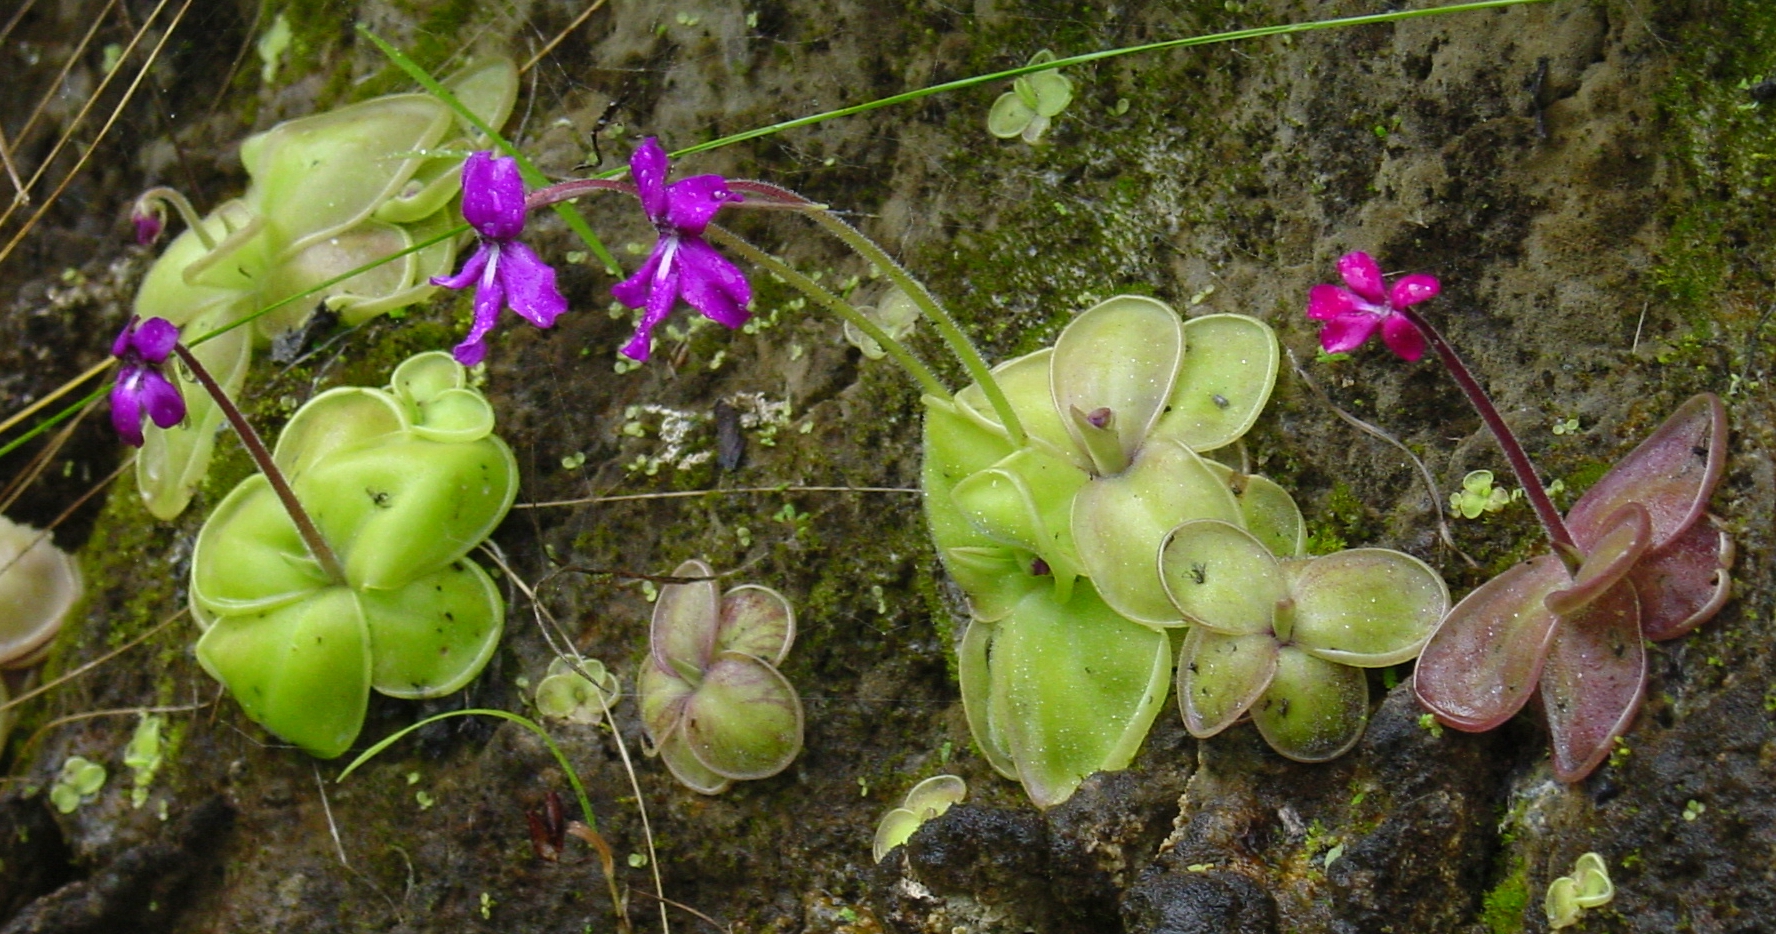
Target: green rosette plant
{"x": 1285, "y": 638}
{"x": 329, "y": 193}
{"x": 401, "y": 482}
{"x": 1066, "y": 661}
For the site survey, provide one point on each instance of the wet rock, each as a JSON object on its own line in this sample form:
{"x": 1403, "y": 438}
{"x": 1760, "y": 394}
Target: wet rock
{"x": 1198, "y": 903}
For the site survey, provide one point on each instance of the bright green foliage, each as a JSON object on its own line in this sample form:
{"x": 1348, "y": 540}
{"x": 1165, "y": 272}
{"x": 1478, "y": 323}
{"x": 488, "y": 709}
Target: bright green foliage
{"x": 143, "y": 757}
{"x": 1032, "y": 103}
{"x": 402, "y": 483}
{"x": 926, "y": 801}
{"x": 1079, "y": 550}
{"x": 1589, "y": 886}
{"x": 1478, "y": 496}
{"x": 715, "y": 707}
{"x": 329, "y": 193}
{"x": 79, "y": 779}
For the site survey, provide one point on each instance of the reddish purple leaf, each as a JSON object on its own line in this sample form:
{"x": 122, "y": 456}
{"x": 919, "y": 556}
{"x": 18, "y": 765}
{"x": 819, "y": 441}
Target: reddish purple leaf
{"x": 1672, "y": 473}
{"x": 1683, "y": 584}
{"x": 1482, "y": 663}
{"x": 1628, "y": 532}
{"x": 1593, "y": 681}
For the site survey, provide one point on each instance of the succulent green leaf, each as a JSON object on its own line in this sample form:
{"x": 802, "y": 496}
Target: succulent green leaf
{"x": 1220, "y": 676}
{"x": 1074, "y": 688}
{"x": 1010, "y": 114}
{"x": 249, "y": 557}
{"x": 1593, "y": 681}
{"x": 994, "y": 579}
{"x": 1593, "y": 888}
{"x": 975, "y": 678}
{"x": 1026, "y": 500}
{"x": 1368, "y": 607}
{"x": 744, "y": 721}
{"x": 322, "y": 260}
{"x": 896, "y": 828}
{"x": 487, "y": 87}
{"x": 956, "y": 446}
{"x": 662, "y": 694}
{"x": 1120, "y": 522}
{"x": 1271, "y": 515}
{"x": 685, "y": 620}
{"x": 424, "y": 377}
{"x": 756, "y": 621}
{"x": 322, "y": 174}
{"x": 1221, "y": 577}
{"x": 1053, "y": 92}
{"x": 1224, "y": 382}
{"x": 1025, "y": 382}
{"x": 1671, "y": 474}
{"x": 1483, "y": 662}
{"x": 173, "y": 460}
{"x": 336, "y": 420}
{"x": 435, "y": 260}
{"x": 368, "y": 502}
{"x": 1561, "y": 903}
{"x": 302, "y": 671}
{"x": 455, "y": 416}
{"x": 1314, "y": 710}
{"x": 435, "y": 634}
{"x": 78, "y": 779}
{"x": 1119, "y": 357}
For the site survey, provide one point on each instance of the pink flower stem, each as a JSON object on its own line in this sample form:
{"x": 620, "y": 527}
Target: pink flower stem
{"x": 571, "y": 189}
{"x": 311, "y": 536}
{"x": 1520, "y": 464}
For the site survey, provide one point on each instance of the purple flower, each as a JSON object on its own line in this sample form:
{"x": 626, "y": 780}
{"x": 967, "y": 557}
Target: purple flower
{"x": 141, "y": 389}
{"x": 682, "y": 264}
{"x": 503, "y": 271}
{"x": 148, "y": 222}
{"x": 1353, "y": 314}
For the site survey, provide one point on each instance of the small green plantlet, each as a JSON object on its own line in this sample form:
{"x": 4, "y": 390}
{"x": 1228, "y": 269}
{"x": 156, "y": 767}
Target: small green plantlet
{"x": 1589, "y": 886}
{"x": 1478, "y": 496}
{"x": 487, "y": 904}
{"x": 1428, "y": 723}
{"x": 79, "y": 780}
{"x": 1620, "y": 753}
{"x": 401, "y": 483}
{"x": 894, "y": 313}
{"x": 925, "y": 801}
{"x": 1694, "y": 809}
{"x": 143, "y": 757}
{"x": 1032, "y": 103}
{"x": 714, "y": 705}
{"x": 1567, "y": 426}
{"x": 565, "y": 694}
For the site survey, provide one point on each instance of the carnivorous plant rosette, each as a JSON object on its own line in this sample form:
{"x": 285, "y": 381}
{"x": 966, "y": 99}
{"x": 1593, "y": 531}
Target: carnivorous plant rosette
{"x": 329, "y": 193}
{"x": 401, "y": 483}
{"x": 715, "y": 707}
{"x": 1062, "y": 677}
{"x": 1649, "y": 565}
{"x": 1286, "y": 638}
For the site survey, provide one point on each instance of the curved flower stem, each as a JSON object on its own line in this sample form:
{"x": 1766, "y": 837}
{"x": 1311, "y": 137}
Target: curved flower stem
{"x": 305, "y": 526}
{"x": 946, "y": 326}
{"x": 572, "y": 188}
{"x": 928, "y": 381}
{"x": 187, "y": 213}
{"x": 1556, "y": 528}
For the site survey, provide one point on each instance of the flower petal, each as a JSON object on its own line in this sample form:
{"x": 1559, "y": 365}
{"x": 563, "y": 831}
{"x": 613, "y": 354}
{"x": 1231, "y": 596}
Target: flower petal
{"x": 1325, "y": 302}
{"x": 126, "y": 407}
{"x": 660, "y": 299}
{"x": 692, "y": 202}
{"x": 1594, "y": 680}
{"x": 490, "y": 296}
{"x": 648, "y": 165}
{"x": 711, "y": 284}
{"x": 493, "y": 195}
{"x": 1346, "y": 333}
{"x": 1363, "y": 276}
{"x": 529, "y": 284}
{"x": 1411, "y": 290}
{"x": 154, "y": 339}
{"x": 161, "y": 398}
{"x": 1402, "y": 337}
{"x": 121, "y": 345}
{"x": 634, "y": 290}
{"x": 471, "y": 271}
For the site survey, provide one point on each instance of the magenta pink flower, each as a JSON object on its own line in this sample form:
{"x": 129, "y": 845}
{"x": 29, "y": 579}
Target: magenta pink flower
{"x": 141, "y": 389}
{"x": 505, "y": 273}
{"x": 1353, "y": 314}
{"x": 682, "y": 264}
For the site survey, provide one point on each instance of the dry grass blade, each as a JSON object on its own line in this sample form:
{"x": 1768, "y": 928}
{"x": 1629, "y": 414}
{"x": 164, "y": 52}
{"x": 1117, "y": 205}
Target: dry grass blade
{"x": 109, "y": 122}
{"x": 580, "y": 20}
{"x": 89, "y": 666}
